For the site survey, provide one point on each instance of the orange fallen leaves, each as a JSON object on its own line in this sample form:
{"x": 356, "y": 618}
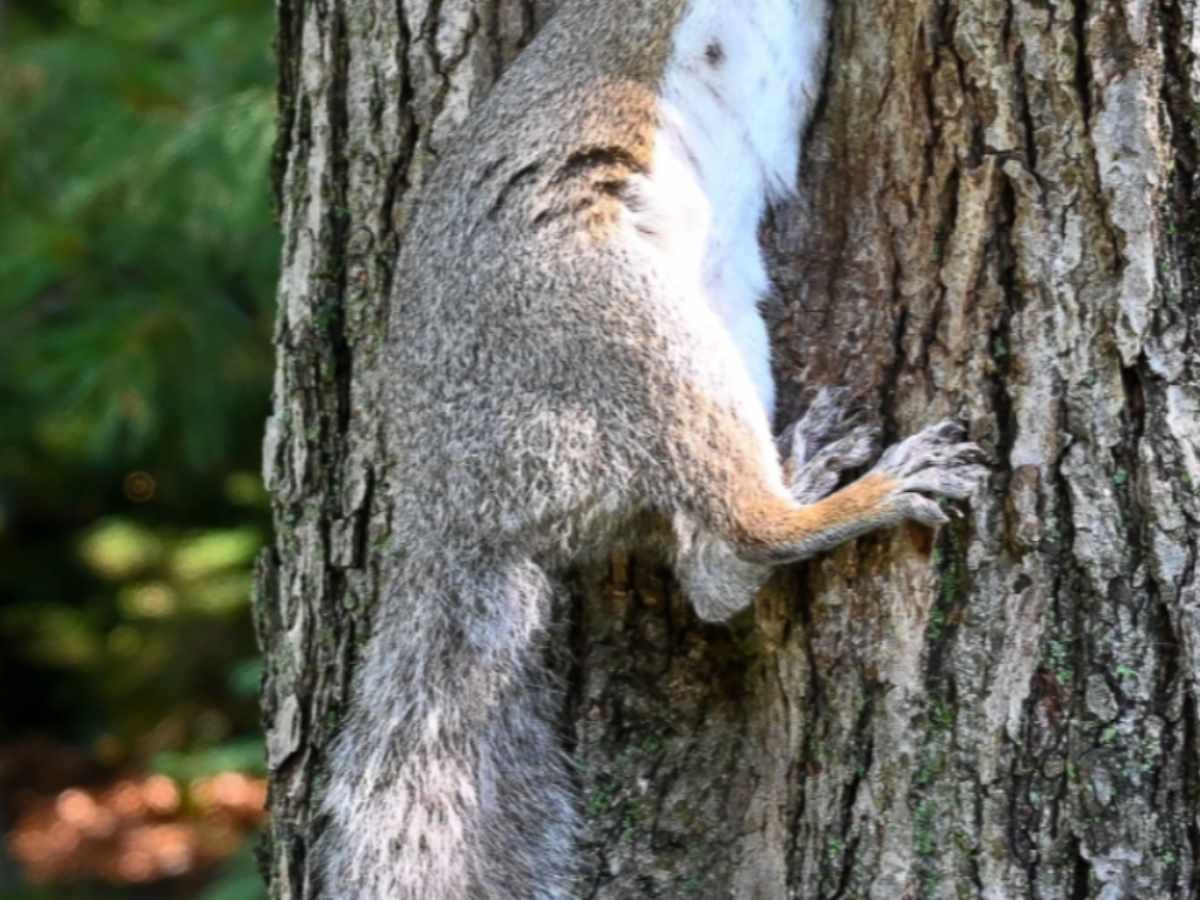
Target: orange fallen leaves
{"x": 136, "y": 830}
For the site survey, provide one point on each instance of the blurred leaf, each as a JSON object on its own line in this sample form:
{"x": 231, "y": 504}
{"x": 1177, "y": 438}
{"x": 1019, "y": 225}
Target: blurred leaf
{"x": 245, "y": 755}
{"x": 214, "y": 551}
{"x": 246, "y": 489}
{"x": 246, "y": 677}
{"x": 118, "y": 548}
{"x": 220, "y": 595}
{"x": 148, "y": 600}
{"x": 239, "y": 881}
{"x": 53, "y": 633}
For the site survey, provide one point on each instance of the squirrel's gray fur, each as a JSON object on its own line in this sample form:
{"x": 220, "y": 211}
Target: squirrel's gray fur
{"x": 547, "y": 388}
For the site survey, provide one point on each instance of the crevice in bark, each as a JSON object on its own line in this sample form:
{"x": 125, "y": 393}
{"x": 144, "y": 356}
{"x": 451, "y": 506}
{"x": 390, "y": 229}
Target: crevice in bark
{"x": 821, "y": 103}
{"x": 1191, "y": 785}
{"x": 1165, "y": 775}
{"x": 489, "y": 29}
{"x": 267, "y": 623}
{"x": 1083, "y": 65}
{"x": 575, "y": 587}
{"x": 427, "y": 39}
{"x": 294, "y": 184}
{"x": 1081, "y": 872}
{"x": 974, "y": 870}
{"x": 339, "y": 220}
{"x": 1084, "y": 85}
{"x": 443, "y": 68}
{"x": 861, "y": 742}
{"x": 1001, "y": 343}
{"x": 287, "y": 66}
{"x": 1020, "y": 843}
{"x": 1022, "y": 101}
{"x": 1182, "y": 215}
{"x": 397, "y": 185}
{"x": 887, "y": 397}
{"x": 1135, "y": 403}
{"x": 954, "y": 584}
{"x": 802, "y": 614}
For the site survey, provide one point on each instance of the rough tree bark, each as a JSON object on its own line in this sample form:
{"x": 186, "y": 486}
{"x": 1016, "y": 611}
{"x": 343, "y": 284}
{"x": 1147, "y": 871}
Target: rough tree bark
{"x": 999, "y": 220}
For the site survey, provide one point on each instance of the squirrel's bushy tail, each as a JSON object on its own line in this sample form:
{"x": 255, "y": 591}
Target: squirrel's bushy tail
{"x": 447, "y": 781}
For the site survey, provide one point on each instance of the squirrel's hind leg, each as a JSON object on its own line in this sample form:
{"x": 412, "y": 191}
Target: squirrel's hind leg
{"x": 745, "y": 500}
{"x": 816, "y": 449}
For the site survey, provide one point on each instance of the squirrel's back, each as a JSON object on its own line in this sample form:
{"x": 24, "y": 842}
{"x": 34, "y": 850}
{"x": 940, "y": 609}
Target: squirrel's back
{"x": 589, "y": 243}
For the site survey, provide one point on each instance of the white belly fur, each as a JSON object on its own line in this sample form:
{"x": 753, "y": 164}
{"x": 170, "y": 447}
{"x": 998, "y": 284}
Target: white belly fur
{"x": 738, "y": 90}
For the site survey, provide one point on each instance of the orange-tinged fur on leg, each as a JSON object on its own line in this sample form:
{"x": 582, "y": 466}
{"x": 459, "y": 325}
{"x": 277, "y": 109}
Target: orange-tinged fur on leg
{"x": 774, "y": 529}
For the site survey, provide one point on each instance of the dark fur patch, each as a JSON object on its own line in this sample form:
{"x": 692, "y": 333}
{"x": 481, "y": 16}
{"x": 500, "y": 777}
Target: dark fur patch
{"x": 586, "y": 161}
{"x": 515, "y": 182}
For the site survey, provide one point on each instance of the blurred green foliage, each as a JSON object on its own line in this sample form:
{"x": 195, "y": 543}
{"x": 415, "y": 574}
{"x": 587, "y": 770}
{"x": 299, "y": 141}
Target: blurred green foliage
{"x": 137, "y": 258}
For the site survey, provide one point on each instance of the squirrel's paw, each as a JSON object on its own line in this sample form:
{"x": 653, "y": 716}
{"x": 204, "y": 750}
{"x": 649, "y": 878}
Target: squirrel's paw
{"x": 934, "y": 462}
{"x": 825, "y": 420}
{"x": 821, "y": 445}
{"x": 817, "y": 477}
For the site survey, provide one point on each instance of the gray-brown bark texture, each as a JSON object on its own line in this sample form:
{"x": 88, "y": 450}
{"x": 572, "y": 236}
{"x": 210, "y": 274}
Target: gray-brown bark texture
{"x": 999, "y": 220}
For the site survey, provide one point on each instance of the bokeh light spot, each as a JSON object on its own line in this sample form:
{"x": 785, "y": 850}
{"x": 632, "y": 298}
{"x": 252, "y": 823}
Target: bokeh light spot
{"x": 140, "y": 487}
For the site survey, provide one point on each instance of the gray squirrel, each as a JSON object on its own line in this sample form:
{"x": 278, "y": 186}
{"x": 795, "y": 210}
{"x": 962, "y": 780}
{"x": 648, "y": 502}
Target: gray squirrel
{"x": 575, "y": 342}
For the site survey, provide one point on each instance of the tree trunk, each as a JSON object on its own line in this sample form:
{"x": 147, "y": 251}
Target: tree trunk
{"x": 999, "y": 220}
